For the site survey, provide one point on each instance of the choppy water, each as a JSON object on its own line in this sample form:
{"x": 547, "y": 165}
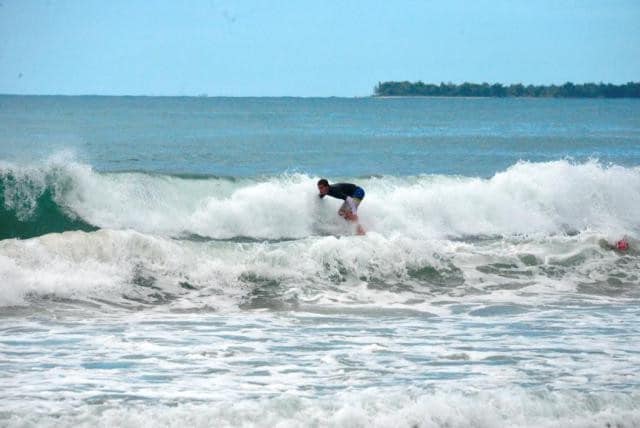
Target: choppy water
{"x": 168, "y": 260}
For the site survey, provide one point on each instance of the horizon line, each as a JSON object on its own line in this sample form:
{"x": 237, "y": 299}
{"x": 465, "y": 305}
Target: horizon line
{"x": 371, "y": 95}
{"x": 184, "y": 96}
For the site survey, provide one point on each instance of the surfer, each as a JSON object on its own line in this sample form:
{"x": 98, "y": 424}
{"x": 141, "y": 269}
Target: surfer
{"x": 351, "y": 194}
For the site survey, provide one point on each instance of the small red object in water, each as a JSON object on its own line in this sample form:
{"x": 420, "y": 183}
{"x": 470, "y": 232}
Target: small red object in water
{"x": 622, "y": 245}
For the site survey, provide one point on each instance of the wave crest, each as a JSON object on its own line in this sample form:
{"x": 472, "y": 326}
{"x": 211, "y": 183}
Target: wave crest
{"x": 527, "y": 198}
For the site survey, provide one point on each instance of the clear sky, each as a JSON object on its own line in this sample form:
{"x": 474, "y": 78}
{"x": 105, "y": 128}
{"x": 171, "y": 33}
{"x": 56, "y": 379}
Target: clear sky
{"x": 309, "y": 48}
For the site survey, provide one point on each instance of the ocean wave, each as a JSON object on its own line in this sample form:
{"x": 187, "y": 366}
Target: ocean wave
{"x": 33, "y": 200}
{"x": 129, "y": 269}
{"x": 549, "y": 198}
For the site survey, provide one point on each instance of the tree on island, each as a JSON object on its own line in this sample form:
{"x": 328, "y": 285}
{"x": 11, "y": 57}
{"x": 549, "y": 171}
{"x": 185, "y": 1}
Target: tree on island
{"x": 466, "y": 89}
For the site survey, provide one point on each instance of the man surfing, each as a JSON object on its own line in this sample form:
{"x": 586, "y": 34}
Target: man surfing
{"x": 351, "y": 194}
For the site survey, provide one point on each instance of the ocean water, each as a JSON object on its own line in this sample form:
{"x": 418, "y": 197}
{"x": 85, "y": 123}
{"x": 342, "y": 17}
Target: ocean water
{"x": 167, "y": 262}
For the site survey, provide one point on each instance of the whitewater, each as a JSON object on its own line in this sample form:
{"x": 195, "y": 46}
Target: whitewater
{"x": 140, "y": 295}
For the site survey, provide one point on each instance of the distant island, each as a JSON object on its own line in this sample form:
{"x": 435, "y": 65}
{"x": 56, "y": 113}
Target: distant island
{"x": 567, "y": 90}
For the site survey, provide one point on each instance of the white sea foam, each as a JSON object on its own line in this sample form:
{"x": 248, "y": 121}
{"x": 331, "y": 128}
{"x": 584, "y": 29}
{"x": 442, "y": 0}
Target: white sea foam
{"x": 527, "y": 198}
{"x": 373, "y": 408}
{"x": 102, "y": 264}
{"x": 551, "y": 367}
{"x": 374, "y": 270}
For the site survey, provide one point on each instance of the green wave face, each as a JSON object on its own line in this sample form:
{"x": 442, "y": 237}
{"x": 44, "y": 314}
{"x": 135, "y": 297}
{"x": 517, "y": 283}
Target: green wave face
{"x": 29, "y": 209}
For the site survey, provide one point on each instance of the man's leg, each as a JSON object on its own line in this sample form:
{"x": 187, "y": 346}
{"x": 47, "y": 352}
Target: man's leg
{"x": 349, "y": 209}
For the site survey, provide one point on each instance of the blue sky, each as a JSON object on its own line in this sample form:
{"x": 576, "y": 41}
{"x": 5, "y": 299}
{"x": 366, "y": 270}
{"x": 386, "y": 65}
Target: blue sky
{"x": 309, "y": 48}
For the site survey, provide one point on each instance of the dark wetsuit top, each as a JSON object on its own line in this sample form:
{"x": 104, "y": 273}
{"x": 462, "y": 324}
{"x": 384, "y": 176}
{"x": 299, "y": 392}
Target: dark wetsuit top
{"x": 345, "y": 190}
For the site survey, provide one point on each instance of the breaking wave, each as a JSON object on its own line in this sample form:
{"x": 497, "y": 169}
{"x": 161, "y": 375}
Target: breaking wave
{"x": 210, "y": 243}
{"x": 526, "y": 199}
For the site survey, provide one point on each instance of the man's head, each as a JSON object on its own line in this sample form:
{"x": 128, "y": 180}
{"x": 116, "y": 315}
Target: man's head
{"x": 323, "y": 186}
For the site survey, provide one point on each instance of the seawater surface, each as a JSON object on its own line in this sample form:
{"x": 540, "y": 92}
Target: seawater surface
{"x": 166, "y": 261}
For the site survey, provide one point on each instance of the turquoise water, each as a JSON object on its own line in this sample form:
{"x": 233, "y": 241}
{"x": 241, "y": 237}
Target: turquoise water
{"x": 326, "y": 136}
{"x": 168, "y": 260}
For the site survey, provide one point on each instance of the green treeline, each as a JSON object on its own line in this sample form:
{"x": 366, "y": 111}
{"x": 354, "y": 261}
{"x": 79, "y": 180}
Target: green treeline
{"x": 568, "y": 90}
